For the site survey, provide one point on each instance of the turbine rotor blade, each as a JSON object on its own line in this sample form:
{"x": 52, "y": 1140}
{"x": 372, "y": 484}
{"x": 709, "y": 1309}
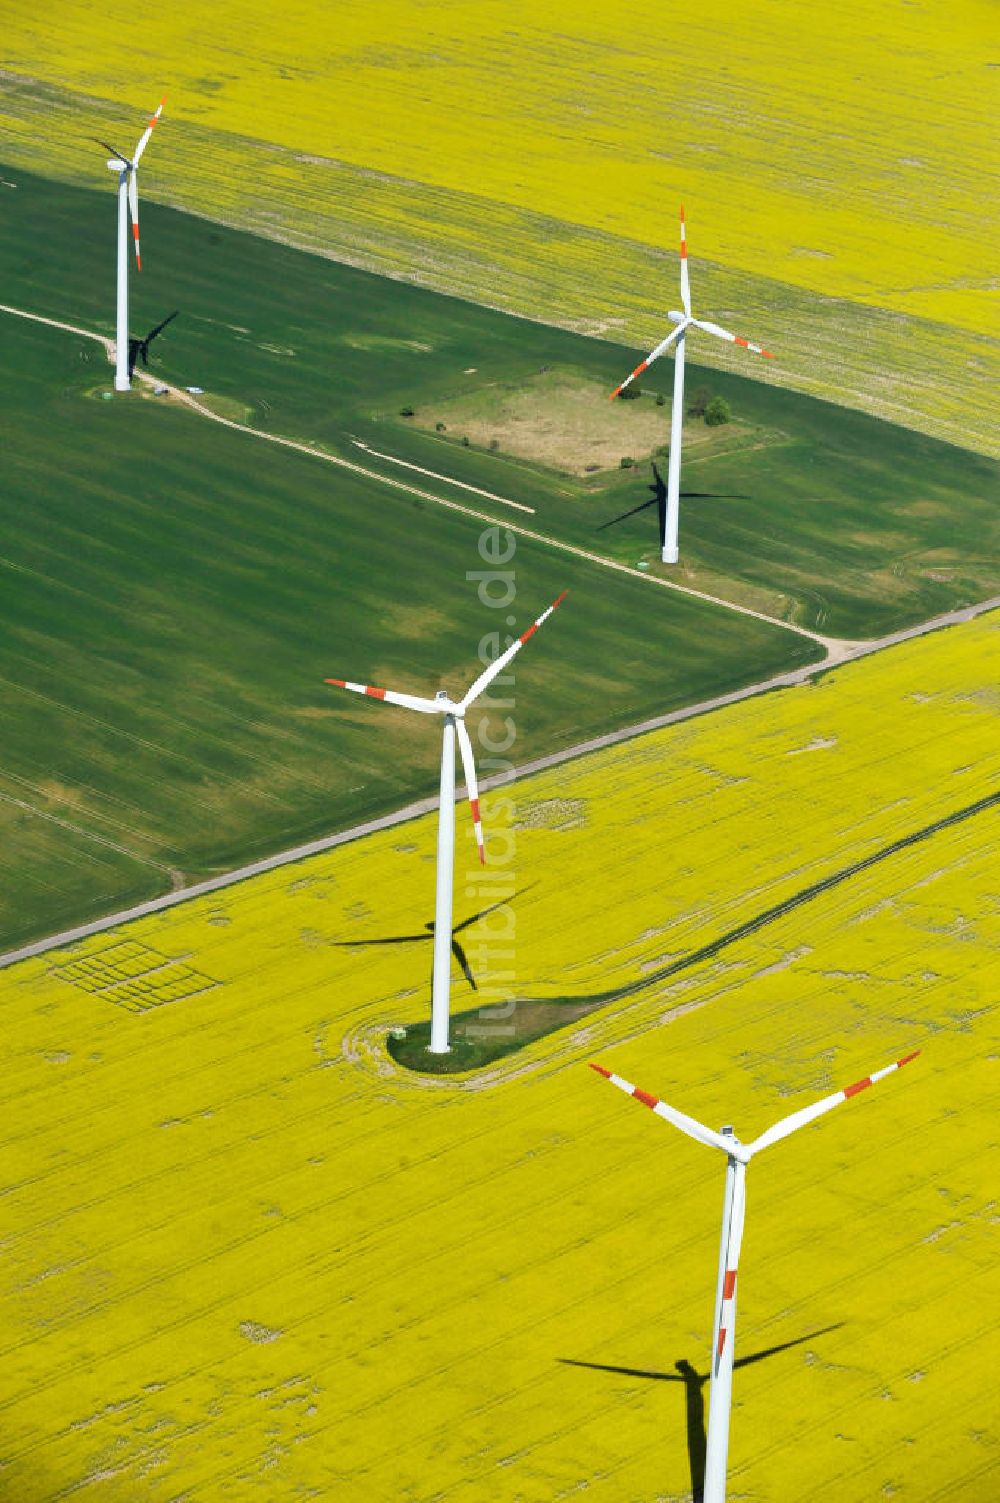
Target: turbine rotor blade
{"x": 144, "y": 138}
{"x": 736, "y": 1220}
{"x": 689, "y": 1125}
{"x": 720, "y": 333}
{"x": 685, "y": 285}
{"x": 500, "y": 663}
{"x": 653, "y": 355}
{"x": 809, "y": 1114}
{"x": 121, "y": 155}
{"x": 471, "y": 786}
{"x": 408, "y": 701}
{"x": 133, "y": 208}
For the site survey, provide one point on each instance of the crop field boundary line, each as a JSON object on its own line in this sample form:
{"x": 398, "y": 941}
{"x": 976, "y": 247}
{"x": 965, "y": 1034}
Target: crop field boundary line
{"x": 832, "y": 646}
{"x": 420, "y": 807}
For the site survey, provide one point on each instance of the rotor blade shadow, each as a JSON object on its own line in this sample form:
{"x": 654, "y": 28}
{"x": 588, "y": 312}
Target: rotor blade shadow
{"x": 694, "y": 1394}
{"x": 456, "y": 945}
{"x": 659, "y": 500}
{"x": 139, "y": 348}
{"x": 160, "y": 327}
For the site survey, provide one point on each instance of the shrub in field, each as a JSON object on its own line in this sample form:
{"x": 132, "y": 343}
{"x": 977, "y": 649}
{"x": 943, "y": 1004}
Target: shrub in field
{"x": 660, "y": 399}
{"x": 406, "y": 412}
{"x": 630, "y": 393}
{"x": 700, "y": 400}
{"x": 625, "y": 463}
{"x": 717, "y": 412}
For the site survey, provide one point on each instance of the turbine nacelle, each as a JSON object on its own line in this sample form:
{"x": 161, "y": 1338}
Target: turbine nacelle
{"x": 682, "y": 322}
{"x": 443, "y": 704}
{"x": 127, "y": 170}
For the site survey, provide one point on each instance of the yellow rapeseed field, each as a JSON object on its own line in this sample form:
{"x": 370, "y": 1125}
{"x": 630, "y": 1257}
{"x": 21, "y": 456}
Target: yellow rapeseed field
{"x": 245, "y": 1256}
{"x": 534, "y": 156}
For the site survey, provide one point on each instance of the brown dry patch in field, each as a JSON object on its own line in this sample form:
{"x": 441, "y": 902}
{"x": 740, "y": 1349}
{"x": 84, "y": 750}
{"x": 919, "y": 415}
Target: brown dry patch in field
{"x": 558, "y": 421}
{"x": 410, "y": 621}
{"x": 756, "y": 597}
{"x": 54, "y": 792}
{"x": 921, "y": 508}
{"x": 551, "y": 814}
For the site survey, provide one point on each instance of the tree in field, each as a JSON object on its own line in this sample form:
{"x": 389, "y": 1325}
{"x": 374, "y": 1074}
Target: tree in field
{"x": 717, "y": 412}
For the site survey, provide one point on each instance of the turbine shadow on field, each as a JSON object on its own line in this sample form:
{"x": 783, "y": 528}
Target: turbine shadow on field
{"x": 694, "y": 1394}
{"x": 659, "y": 500}
{"x": 476, "y": 1042}
{"x": 456, "y": 946}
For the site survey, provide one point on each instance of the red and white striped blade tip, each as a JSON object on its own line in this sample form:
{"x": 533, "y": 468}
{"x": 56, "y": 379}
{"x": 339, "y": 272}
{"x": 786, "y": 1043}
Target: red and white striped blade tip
{"x": 645, "y": 1098}
{"x": 530, "y": 632}
{"x": 477, "y": 825}
{"x": 630, "y": 377}
{"x": 862, "y": 1085}
{"x": 343, "y": 683}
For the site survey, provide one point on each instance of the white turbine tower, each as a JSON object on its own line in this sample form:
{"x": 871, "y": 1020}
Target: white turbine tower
{"x": 127, "y": 169}
{"x": 738, "y": 1156}
{"x": 682, "y": 322}
{"x": 454, "y": 723}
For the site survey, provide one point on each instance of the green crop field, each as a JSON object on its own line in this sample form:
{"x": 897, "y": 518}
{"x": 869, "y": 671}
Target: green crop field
{"x": 174, "y": 594}
{"x": 806, "y": 511}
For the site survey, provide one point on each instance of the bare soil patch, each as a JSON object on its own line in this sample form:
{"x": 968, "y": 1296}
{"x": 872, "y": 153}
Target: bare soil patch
{"x": 558, "y": 420}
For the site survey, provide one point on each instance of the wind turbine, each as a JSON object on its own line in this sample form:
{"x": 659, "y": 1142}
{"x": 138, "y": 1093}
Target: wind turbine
{"x": 738, "y": 1156}
{"x": 454, "y": 724}
{"x": 682, "y": 322}
{"x": 127, "y": 169}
